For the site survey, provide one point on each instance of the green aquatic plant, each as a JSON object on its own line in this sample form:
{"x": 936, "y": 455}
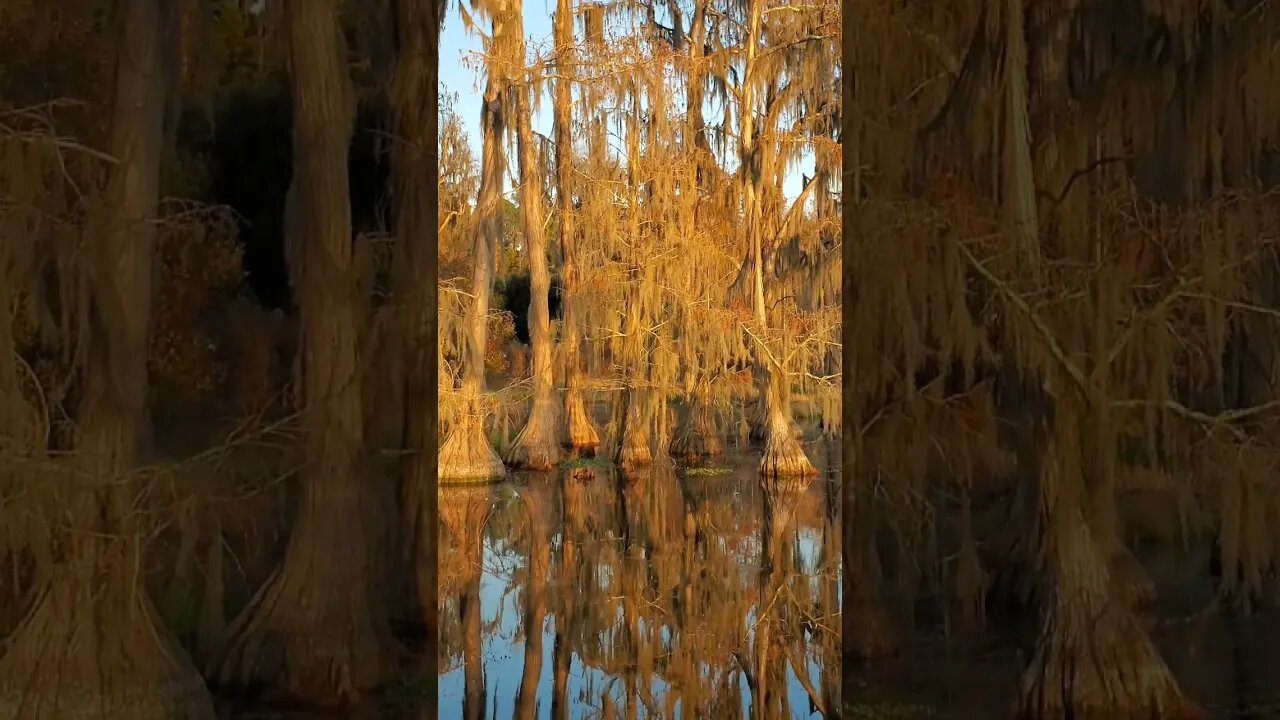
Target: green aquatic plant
{"x": 888, "y": 711}
{"x": 584, "y": 462}
{"x": 707, "y": 471}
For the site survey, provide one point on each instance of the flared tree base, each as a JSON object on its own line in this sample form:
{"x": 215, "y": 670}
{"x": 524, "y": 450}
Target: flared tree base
{"x": 1103, "y": 667}
{"x": 84, "y": 651}
{"x": 784, "y": 456}
{"x": 466, "y": 454}
{"x": 697, "y": 438}
{"x": 581, "y": 437}
{"x": 694, "y": 446}
{"x": 635, "y": 453}
{"x": 537, "y": 446}
{"x": 310, "y": 637}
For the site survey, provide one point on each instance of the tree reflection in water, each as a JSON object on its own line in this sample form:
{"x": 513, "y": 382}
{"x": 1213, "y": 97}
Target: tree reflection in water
{"x": 593, "y": 594}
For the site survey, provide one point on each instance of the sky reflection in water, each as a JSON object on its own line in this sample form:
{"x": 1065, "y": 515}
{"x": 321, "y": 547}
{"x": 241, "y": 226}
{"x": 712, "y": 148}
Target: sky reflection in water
{"x": 650, "y": 582}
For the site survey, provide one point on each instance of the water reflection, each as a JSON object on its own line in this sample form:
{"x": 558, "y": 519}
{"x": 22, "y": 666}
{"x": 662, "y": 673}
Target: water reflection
{"x": 588, "y": 594}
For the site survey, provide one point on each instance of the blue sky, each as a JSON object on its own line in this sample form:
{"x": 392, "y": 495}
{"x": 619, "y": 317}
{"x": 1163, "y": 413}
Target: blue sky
{"x": 460, "y": 74}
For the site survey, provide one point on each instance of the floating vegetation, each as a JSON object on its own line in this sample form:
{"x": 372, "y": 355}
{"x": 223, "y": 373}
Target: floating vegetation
{"x": 712, "y": 471}
{"x": 888, "y": 711}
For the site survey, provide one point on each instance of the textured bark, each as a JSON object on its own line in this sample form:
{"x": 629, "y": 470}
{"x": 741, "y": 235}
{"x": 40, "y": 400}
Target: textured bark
{"x": 1093, "y": 659}
{"x": 633, "y": 448}
{"x": 311, "y": 635}
{"x": 783, "y": 454}
{"x": 413, "y": 101}
{"x": 92, "y": 644}
{"x": 1019, "y": 180}
{"x": 466, "y": 453}
{"x": 697, "y": 436}
{"x": 580, "y": 434}
{"x": 537, "y": 446}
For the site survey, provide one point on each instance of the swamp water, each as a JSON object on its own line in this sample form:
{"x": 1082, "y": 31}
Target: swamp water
{"x": 1230, "y": 666}
{"x": 671, "y": 593}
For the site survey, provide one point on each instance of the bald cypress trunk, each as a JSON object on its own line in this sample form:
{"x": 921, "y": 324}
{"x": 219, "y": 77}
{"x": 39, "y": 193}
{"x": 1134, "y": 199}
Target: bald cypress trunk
{"x": 783, "y": 454}
{"x": 466, "y": 453}
{"x": 537, "y": 446}
{"x": 312, "y": 634}
{"x": 1093, "y": 659}
{"x": 634, "y": 450}
{"x": 579, "y": 432}
{"x": 414, "y": 99}
{"x": 92, "y": 643}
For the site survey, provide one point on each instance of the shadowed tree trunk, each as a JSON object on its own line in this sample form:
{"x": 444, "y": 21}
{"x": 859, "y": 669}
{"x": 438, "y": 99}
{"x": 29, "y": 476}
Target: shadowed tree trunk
{"x": 311, "y": 634}
{"x": 1093, "y": 659}
{"x": 92, "y": 644}
{"x": 697, "y": 436}
{"x": 537, "y": 446}
{"x": 466, "y": 453}
{"x": 580, "y": 434}
{"x": 414, "y": 99}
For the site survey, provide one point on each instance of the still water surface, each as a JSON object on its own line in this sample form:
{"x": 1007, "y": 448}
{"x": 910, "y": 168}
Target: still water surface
{"x": 672, "y": 593}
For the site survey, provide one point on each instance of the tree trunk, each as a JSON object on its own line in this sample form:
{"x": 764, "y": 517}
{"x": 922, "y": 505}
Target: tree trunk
{"x": 1019, "y": 180}
{"x": 580, "y": 434}
{"x": 1093, "y": 659}
{"x": 92, "y": 643}
{"x": 633, "y": 449}
{"x": 312, "y": 634}
{"x": 414, "y": 98}
{"x": 466, "y": 453}
{"x": 697, "y": 437}
{"x": 783, "y": 453}
{"x": 874, "y": 634}
{"x": 537, "y": 446}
